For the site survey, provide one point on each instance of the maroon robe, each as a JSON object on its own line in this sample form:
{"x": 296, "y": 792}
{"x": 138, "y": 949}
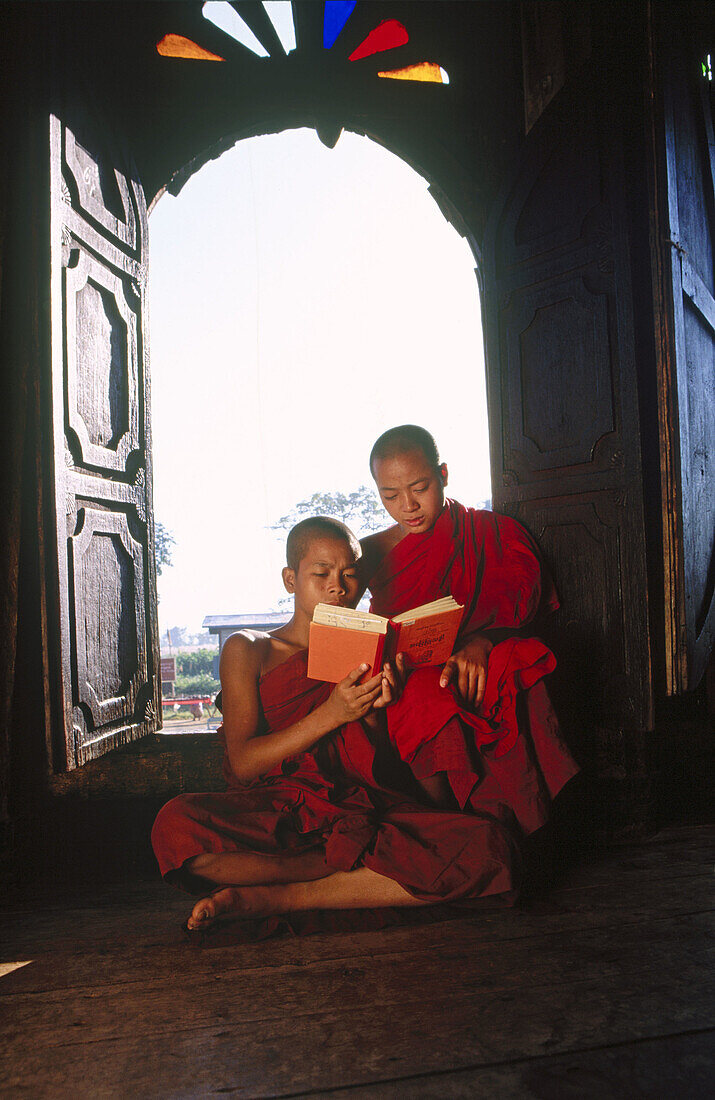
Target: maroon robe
{"x": 507, "y": 758}
{"x": 330, "y": 797}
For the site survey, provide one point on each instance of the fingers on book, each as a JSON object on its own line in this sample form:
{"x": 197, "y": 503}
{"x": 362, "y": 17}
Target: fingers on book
{"x": 343, "y": 638}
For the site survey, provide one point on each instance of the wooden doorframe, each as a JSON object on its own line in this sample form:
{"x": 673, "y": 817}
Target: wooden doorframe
{"x": 685, "y": 654}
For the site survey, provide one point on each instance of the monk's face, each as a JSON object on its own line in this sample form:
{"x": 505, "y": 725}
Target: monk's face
{"x": 411, "y": 489}
{"x": 327, "y": 573}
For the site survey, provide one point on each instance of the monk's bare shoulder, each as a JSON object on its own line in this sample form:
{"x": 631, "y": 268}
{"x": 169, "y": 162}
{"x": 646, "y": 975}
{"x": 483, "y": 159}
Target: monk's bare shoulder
{"x": 382, "y": 541}
{"x": 375, "y": 547}
{"x": 244, "y": 654}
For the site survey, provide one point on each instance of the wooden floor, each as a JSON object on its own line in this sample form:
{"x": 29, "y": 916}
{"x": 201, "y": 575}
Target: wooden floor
{"x": 603, "y": 988}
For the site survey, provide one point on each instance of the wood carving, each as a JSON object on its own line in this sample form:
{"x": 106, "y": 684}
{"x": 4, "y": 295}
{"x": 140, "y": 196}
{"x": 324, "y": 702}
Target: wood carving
{"x": 108, "y": 615}
{"x": 107, "y": 599}
{"x": 102, "y": 193}
{"x": 139, "y": 495}
{"x": 561, "y": 400}
{"x": 564, "y": 416}
{"x": 102, "y": 367}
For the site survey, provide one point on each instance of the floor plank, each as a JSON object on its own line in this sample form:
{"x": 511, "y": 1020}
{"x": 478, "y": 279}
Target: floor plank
{"x": 678, "y": 1066}
{"x": 567, "y": 993}
{"x": 457, "y": 970}
{"x": 264, "y": 1058}
{"x": 87, "y": 944}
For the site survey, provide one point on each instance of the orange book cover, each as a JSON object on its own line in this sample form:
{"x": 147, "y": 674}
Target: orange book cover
{"x": 342, "y": 639}
{"x": 334, "y": 651}
{"x": 430, "y": 640}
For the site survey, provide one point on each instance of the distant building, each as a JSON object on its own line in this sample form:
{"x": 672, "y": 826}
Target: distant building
{"x": 225, "y": 625}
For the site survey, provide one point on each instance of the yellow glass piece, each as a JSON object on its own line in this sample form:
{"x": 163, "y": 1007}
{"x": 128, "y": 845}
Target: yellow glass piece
{"x": 175, "y": 45}
{"x": 425, "y": 70}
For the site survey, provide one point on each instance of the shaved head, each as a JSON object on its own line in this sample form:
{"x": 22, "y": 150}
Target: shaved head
{"x": 300, "y": 537}
{"x": 400, "y": 440}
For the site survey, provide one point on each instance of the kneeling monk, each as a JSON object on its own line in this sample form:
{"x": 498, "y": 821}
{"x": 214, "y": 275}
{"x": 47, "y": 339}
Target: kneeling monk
{"x": 481, "y": 733}
{"x": 313, "y": 817}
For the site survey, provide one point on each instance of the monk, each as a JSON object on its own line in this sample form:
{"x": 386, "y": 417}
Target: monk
{"x": 315, "y": 816}
{"x": 480, "y": 733}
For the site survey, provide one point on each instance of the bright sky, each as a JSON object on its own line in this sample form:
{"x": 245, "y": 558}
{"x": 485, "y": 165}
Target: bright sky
{"x": 302, "y": 300}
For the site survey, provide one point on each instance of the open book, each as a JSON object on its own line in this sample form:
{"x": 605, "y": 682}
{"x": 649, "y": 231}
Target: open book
{"x": 342, "y": 638}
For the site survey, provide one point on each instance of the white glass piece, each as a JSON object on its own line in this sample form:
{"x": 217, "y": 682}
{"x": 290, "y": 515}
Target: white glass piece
{"x": 280, "y": 13}
{"x": 222, "y": 15}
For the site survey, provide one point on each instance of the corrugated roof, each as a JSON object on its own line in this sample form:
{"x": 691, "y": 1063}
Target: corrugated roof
{"x": 256, "y": 618}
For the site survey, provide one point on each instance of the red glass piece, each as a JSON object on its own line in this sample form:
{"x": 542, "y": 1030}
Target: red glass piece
{"x": 385, "y": 36}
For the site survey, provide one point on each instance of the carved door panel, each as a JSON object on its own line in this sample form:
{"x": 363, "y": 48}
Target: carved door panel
{"x": 563, "y": 410}
{"x": 103, "y": 620}
{"x": 686, "y": 317}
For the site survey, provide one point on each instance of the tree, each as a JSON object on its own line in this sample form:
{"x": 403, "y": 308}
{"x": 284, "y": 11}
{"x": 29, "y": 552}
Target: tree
{"x": 361, "y": 510}
{"x": 163, "y": 542}
{"x": 176, "y": 636}
{"x": 201, "y": 683}
{"x": 195, "y": 673}
{"x": 193, "y": 664}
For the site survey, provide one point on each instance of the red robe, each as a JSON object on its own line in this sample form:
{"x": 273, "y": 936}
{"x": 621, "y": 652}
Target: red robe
{"x": 508, "y": 758}
{"x": 330, "y": 797}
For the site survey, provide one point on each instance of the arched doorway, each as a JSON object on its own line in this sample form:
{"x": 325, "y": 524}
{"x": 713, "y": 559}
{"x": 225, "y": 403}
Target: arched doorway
{"x": 108, "y": 692}
{"x": 547, "y": 214}
{"x": 302, "y": 301}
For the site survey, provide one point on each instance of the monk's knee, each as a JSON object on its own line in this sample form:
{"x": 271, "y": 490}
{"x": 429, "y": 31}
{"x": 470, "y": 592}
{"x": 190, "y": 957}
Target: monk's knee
{"x": 170, "y": 820}
{"x": 488, "y": 862}
{"x": 177, "y": 833}
{"x": 500, "y": 872}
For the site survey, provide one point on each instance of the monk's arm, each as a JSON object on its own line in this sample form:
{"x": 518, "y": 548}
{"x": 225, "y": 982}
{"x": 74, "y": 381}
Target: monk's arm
{"x": 466, "y": 669}
{"x": 252, "y": 753}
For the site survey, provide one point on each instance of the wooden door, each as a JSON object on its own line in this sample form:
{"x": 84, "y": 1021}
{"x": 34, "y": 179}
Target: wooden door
{"x": 102, "y": 632}
{"x": 564, "y": 416}
{"x": 684, "y": 270}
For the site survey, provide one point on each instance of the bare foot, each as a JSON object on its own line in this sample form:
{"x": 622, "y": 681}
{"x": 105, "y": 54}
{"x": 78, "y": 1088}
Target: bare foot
{"x": 246, "y": 901}
{"x": 205, "y": 911}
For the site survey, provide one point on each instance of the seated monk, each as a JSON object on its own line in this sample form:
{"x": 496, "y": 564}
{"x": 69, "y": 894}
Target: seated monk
{"x": 480, "y": 734}
{"x": 313, "y": 817}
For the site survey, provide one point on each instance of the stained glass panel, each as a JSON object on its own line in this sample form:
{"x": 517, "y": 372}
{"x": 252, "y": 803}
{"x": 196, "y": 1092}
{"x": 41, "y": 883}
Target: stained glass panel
{"x": 337, "y": 13}
{"x": 389, "y": 34}
{"x": 386, "y": 36}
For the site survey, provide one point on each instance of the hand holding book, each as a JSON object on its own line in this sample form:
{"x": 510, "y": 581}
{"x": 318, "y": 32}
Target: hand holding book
{"x": 342, "y": 638}
{"x": 394, "y": 676}
{"x": 354, "y": 696}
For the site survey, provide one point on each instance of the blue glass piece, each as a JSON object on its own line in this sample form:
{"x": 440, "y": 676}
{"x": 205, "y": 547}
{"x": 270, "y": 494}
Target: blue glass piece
{"x": 337, "y": 13}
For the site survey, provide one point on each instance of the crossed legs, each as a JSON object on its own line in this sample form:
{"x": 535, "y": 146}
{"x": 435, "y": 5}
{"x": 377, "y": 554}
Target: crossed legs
{"x": 253, "y": 884}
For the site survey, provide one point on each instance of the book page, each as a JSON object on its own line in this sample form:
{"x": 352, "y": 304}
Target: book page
{"x": 436, "y": 607}
{"x": 349, "y": 619}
